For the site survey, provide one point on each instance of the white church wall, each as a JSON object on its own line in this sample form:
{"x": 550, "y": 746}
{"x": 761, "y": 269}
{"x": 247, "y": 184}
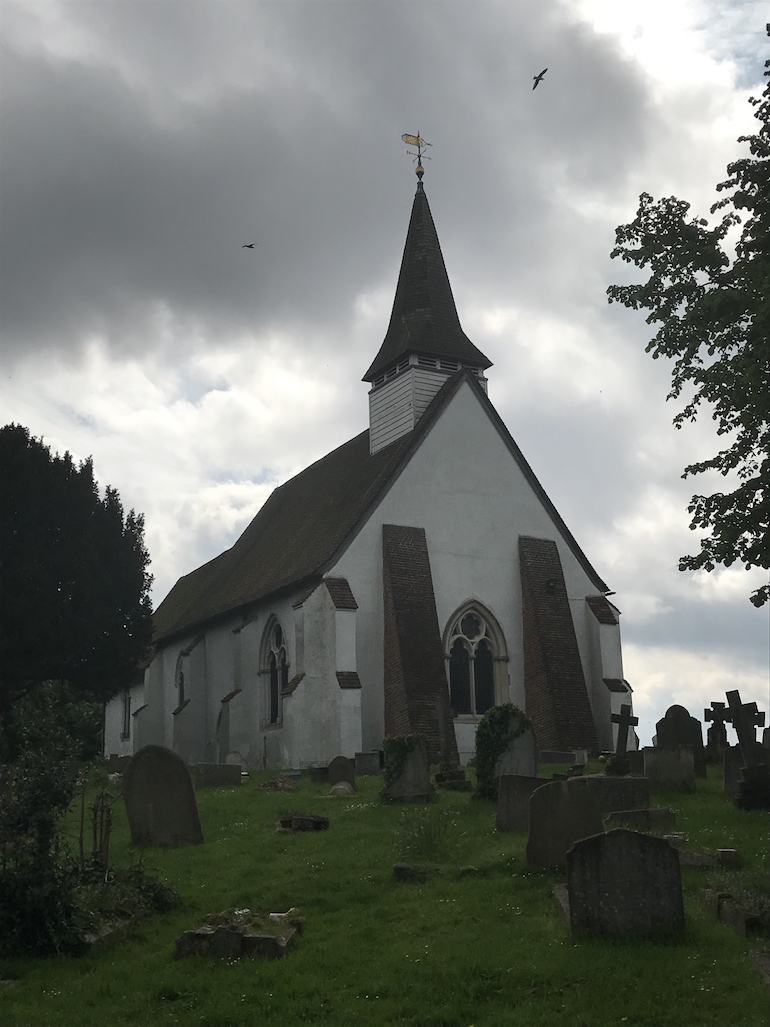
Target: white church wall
{"x": 597, "y": 690}
{"x": 315, "y": 705}
{"x": 117, "y": 717}
{"x": 463, "y": 486}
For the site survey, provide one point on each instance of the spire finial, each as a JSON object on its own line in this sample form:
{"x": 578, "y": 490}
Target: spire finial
{"x": 420, "y": 143}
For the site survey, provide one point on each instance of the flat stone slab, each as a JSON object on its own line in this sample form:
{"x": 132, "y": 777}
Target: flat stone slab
{"x": 278, "y": 784}
{"x": 242, "y": 933}
{"x": 304, "y": 822}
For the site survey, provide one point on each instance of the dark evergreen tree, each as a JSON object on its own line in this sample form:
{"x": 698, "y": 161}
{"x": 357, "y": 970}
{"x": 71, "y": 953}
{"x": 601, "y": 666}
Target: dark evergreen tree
{"x": 74, "y": 583}
{"x": 714, "y": 315}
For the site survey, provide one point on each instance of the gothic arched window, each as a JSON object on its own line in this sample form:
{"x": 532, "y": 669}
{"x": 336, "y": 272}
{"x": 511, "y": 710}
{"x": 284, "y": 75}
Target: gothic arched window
{"x": 277, "y": 671}
{"x": 475, "y": 654}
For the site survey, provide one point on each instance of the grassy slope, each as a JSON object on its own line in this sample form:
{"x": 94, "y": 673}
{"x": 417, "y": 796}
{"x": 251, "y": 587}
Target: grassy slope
{"x": 489, "y": 949}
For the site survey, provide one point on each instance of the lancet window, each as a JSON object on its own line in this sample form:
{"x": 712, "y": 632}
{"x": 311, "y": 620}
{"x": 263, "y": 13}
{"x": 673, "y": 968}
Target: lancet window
{"x": 276, "y": 667}
{"x": 475, "y": 655}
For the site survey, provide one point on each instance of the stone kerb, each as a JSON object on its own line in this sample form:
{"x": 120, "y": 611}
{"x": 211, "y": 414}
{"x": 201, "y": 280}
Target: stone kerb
{"x": 559, "y": 815}
{"x": 342, "y": 769}
{"x": 160, "y": 799}
{"x": 217, "y": 775}
{"x": 513, "y": 795}
{"x": 412, "y": 782}
{"x": 625, "y": 885}
{"x": 669, "y": 770}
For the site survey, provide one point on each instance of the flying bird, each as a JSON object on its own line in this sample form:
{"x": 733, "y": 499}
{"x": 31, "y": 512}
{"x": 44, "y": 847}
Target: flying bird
{"x": 248, "y": 246}
{"x": 539, "y": 78}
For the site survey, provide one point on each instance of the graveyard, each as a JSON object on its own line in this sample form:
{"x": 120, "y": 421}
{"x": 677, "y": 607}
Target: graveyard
{"x": 471, "y": 935}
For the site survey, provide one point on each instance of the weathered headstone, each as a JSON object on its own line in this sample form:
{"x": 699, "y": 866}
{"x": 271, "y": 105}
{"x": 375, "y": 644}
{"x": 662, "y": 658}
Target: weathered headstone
{"x": 342, "y": 769}
{"x": 160, "y": 799}
{"x": 520, "y": 756}
{"x": 654, "y": 819}
{"x": 318, "y": 775}
{"x": 636, "y": 762}
{"x": 560, "y": 813}
{"x": 217, "y": 775}
{"x": 409, "y": 781}
{"x": 669, "y": 770}
{"x": 716, "y": 736}
{"x": 678, "y": 728}
{"x": 623, "y": 884}
{"x": 342, "y": 788}
{"x": 368, "y": 764}
{"x": 732, "y": 764}
{"x": 614, "y": 793}
{"x": 513, "y": 797}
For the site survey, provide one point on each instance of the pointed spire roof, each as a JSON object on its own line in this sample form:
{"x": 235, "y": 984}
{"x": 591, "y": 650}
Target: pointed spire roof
{"x": 424, "y": 317}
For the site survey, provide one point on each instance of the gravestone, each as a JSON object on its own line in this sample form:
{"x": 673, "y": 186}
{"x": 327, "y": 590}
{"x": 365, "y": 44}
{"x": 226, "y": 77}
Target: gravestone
{"x": 560, "y": 813}
{"x": 342, "y": 788}
{"x": 732, "y": 764}
{"x": 368, "y": 764}
{"x": 513, "y": 796}
{"x": 615, "y": 793}
{"x": 553, "y": 756}
{"x": 412, "y": 783}
{"x": 520, "y": 756}
{"x": 655, "y": 819}
{"x": 625, "y": 885}
{"x": 217, "y": 775}
{"x": 342, "y": 769}
{"x": 636, "y": 762}
{"x": 318, "y": 775}
{"x": 619, "y": 763}
{"x": 669, "y": 770}
{"x": 716, "y": 736}
{"x": 160, "y": 800}
{"x": 678, "y": 728}
{"x": 754, "y": 783}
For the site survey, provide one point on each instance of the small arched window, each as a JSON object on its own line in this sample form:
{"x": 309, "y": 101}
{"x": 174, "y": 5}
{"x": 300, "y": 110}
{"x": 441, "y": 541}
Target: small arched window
{"x": 475, "y": 654}
{"x": 277, "y": 671}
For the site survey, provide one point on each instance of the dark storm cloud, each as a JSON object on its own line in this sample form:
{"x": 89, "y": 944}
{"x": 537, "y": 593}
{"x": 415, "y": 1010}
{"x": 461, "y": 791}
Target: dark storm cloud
{"x": 133, "y": 176}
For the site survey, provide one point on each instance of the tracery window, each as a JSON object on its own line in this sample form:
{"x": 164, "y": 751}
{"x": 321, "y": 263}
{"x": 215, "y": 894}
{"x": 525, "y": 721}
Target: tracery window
{"x": 277, "y": 672}
{"x": 474, "y": 650}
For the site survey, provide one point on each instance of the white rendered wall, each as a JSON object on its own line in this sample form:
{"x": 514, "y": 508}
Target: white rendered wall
{"x": 463, "y": 486}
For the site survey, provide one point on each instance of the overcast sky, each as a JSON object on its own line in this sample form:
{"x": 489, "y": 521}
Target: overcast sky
{"x": 143, "y": 143}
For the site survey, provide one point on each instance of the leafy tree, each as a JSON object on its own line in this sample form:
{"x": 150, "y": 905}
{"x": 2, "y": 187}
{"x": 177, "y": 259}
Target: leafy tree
{"x": 74, "y": 603}
{"x": 714, "y": 317}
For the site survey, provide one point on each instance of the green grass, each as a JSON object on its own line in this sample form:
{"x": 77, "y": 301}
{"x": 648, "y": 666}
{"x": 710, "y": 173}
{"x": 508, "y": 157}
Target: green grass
{"x": 486, "y": 947}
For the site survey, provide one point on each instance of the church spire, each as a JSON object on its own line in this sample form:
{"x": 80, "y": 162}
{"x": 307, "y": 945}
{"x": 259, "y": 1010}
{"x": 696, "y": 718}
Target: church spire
{"x": 424, "y": 318}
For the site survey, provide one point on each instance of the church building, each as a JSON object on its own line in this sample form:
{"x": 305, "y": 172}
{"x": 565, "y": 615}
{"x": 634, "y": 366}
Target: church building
{"x": 406, "y": 582}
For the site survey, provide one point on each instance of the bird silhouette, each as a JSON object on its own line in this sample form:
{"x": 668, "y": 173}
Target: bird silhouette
{"x": 248, "y": 246}
{"x": 539, "y": 78}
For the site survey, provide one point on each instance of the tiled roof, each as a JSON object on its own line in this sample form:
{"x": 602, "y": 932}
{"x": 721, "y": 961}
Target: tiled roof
{"x": 348, "y": 679}
{"x": 341, "y": 593}
{"x": 617, "y": 685}
{"x": 305, "y": 524}
{"x": 424, "y": 317}
{"x": 602, "y": 609}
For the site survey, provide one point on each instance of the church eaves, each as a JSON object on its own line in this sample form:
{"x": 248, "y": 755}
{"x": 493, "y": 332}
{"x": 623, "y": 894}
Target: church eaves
{"x": 424, "y": 317}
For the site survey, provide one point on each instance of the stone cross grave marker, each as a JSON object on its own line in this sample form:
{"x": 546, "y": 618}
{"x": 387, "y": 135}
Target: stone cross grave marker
{"x": 624, "y": 885}
{"x": 745, "y": 718}
{"x": 716, "y": 737}
{"x": 754, "y": 784}
{"x": 520, "y": 756}
{"x": 559, "y": 815}
{"x": 160, "y": 799}
{"x": 678, "y": 728}
{"x": 342, "y": 769}
{"x": 624, "y": 720}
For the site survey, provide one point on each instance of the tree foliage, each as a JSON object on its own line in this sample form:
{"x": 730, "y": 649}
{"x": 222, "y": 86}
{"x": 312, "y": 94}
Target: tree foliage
{"x": 713, "y": 312}
{"x": 74, "y": 603}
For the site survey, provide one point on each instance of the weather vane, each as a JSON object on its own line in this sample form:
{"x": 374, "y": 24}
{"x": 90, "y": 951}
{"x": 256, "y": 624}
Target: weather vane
{"x": 420, "y": 143}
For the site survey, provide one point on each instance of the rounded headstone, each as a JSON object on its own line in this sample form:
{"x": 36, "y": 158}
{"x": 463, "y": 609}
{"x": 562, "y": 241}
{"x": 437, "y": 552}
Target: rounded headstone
{"x": 160, "y": 799}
